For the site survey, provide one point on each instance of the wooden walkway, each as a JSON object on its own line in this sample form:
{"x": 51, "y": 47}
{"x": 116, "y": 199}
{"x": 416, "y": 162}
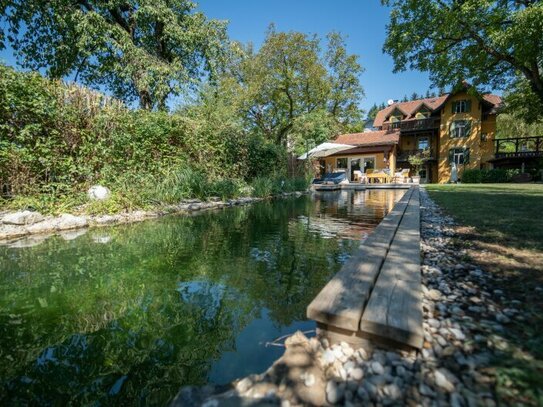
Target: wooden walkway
{"x": 376, "y": 297}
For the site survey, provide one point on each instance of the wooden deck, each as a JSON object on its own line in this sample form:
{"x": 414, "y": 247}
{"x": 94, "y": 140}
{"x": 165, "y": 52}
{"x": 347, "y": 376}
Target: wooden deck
{"x": 376, "y": 297}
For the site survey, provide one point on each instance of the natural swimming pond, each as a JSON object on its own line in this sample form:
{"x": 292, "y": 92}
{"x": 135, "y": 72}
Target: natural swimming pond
{"x": 129, "y": 314}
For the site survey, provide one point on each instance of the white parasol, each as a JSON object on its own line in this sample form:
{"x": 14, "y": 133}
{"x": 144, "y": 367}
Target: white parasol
{"x": 324, "y": 150}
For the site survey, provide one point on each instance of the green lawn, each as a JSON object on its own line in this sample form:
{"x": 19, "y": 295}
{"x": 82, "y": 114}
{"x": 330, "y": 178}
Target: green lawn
{"x": 501, "y": 227}
{"x": 503, "y": 213}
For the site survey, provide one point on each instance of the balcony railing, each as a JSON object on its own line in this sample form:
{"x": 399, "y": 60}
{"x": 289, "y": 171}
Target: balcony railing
{"x": 403, "y": 155}
{"x": 519, "y": 147}
{"x": 429, "y": 123}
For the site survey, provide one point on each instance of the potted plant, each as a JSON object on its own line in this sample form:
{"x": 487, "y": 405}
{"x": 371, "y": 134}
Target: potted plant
{"x": 417, "y": 160}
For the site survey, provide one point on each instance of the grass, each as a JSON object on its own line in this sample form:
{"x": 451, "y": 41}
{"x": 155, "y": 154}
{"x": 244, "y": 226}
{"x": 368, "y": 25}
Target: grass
{"x": 501, "y": 227}
{"x": 146, "y": 191}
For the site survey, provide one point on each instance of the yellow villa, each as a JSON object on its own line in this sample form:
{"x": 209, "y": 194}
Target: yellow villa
{"x": 457, "y": 128}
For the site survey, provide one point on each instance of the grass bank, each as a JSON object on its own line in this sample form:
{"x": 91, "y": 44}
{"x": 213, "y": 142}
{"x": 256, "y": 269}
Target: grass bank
{"x": 147, "y": 191}
{"x": 501, "y": 227}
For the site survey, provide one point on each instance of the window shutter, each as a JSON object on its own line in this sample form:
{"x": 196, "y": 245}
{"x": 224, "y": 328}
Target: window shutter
{"x": 466, "y": 155}
{"x": 468, "y": 128}
{"x": 451, "y": 155}
{"x": 468, "y": 106}
{"x": 454, "y": 107}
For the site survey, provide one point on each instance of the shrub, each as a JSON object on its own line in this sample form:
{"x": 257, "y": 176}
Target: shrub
{"x": 226, "y": 188}
{"x": 56, "y": 140}
{"x": 262, "y": 187}
{"x": 493, "y": 176}
{"x": 472, "y": 176}
{"x": 496, "y": 175}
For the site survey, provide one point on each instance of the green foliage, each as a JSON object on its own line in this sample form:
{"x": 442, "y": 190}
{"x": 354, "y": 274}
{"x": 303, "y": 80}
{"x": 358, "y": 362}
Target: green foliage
{"x": 290, "y": 90}
{"x": 262, "y": 187}
{"x": 418, "y": 159}
{"x": 493, "y": 176}
{"x": 513, "y": 125}
{"x": 474, "y": 176}
{"x": 142, "y": 50}
{"x": 266, "y": 187}
{"x": 524, "y": 107}
{"x": 264, "y": 158}
{"x": 484, "y": 42}
{"x": 57, "y": 140}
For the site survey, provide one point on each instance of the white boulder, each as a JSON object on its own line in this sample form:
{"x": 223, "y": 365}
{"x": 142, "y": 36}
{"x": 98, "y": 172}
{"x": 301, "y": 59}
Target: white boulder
{"x": 98, "y": 193}
{"x": 22, "y": 218}
{"x": 67, "y": 221}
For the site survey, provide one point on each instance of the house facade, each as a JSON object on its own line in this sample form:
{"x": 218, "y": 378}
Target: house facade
{"x": 456, "y": 128}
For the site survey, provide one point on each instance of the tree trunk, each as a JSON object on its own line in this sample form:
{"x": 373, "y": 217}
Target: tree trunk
{"x": 146, "y": 102}
{"x": 535, "y": 80}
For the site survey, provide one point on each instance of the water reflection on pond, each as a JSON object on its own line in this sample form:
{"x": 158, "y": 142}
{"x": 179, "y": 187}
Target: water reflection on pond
{"x": 128, "y": 314}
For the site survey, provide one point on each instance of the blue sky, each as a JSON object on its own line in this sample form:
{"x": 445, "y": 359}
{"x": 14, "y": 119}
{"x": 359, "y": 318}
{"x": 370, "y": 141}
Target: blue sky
{"x": 362, "y": 21}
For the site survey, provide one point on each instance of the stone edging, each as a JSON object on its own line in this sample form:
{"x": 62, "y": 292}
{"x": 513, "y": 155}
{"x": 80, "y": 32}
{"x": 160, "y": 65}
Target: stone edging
{"x": 15, "y": 227}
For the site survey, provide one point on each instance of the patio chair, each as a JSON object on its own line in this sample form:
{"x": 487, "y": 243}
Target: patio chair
{"x": 402, "y": 175}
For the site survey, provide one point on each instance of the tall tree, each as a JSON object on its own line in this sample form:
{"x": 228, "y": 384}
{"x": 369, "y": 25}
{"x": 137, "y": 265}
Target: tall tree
{"x": 373, "y": 111}
{"x": 345, "y": 89}
{"x": 291, "y": 90}
{"x": 142, "y": 50}
{"x": 487, "y": 42}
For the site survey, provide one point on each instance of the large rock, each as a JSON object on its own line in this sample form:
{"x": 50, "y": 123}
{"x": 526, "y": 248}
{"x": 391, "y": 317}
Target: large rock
{"x": 11, "y": 232}
{"x": 67, "y": 221}
{"x": 22, "y": 218}
{"x": 98, "y": 193}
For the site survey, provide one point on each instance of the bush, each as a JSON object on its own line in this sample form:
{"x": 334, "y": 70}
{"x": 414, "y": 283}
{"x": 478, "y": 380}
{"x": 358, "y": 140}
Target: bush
{"x": 56, "y": 140}
{"x": 262, "y": 187}
{"x": 226, "y": 188}
{"x": 493, "y": 176}
{"x": 472, "y": 176}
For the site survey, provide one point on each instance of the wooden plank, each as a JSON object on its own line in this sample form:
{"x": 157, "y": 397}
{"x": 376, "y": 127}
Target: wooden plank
{"x": 394, "y": 309}
{"x": 341, "y": 302}
{"x": 394, "y": 313}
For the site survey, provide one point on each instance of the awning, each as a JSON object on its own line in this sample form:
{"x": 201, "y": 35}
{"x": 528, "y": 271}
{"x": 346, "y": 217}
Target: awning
{"x": 325, "y": 149}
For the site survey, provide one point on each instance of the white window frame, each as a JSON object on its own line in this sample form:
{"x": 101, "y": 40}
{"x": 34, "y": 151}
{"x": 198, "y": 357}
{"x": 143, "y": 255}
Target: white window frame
{"x": 460, "y": 106}
{"x": 457, "y": 155}
{"x": 423, "y": 138}
{"x": 459, "y": 129}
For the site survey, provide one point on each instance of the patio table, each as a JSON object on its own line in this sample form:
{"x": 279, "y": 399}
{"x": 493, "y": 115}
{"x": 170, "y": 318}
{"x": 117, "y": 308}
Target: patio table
{"x": 378, "y": 176}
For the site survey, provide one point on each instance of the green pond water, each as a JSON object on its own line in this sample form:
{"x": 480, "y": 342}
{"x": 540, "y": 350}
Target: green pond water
{"x": 129, "y": 314}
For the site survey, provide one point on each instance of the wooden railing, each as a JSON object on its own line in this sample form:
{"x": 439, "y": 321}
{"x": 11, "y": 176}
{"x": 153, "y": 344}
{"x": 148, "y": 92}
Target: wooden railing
{"x": 519, "y": 147}
{"x": 414, "y": 124}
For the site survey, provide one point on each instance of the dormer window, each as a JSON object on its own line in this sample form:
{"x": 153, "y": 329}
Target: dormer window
{"x": 423, "y": 113}
{"x": 395, "y": 116}
{"x": 461, "y": 106}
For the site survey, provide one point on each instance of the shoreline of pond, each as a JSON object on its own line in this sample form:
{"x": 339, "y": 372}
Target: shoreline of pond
{"x": 28, "y": 228}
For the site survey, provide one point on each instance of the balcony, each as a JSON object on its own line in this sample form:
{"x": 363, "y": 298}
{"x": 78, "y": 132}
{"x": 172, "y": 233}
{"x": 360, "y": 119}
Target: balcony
{"x": 403, "y": 155}
{"x": 519, "y": 147}
{"x": 430, "y": 123}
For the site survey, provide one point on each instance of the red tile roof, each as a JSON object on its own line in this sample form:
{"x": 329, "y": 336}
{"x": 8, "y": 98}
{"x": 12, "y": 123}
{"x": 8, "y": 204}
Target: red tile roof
{"x": 411, "y": 108}
{"x": 369, "y": 138}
